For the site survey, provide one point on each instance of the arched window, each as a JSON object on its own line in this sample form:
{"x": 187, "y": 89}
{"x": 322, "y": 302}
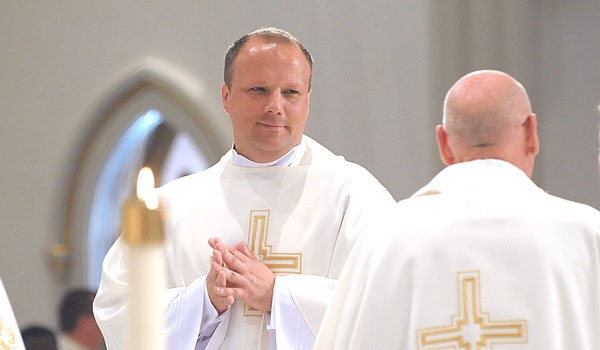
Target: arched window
{"x": 153, "y": 117}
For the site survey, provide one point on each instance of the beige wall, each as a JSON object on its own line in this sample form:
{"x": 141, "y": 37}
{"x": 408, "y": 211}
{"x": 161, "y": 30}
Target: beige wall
{"x": 380, "y": 74}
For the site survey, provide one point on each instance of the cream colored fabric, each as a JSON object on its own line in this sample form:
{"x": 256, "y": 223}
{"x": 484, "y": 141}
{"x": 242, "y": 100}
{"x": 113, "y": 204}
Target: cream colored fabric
{"x": 303, "y": 220}
{"x": 480, "y": 258}
{"x": 10, "y": 335}
{"x": 66, "y": 343}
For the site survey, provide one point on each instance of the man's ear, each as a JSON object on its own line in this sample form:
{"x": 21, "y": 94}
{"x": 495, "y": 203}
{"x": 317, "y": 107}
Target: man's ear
{"x": 445, "y": 151}
{"x": 225, "y": 97}
{"x": 533, "y": 142}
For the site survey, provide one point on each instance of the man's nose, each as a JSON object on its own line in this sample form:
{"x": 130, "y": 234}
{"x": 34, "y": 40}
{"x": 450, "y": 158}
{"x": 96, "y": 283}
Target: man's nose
{"x": 275, "y": 102}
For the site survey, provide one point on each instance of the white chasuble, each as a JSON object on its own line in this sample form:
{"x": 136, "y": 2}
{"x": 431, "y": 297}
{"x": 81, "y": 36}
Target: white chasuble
{"x": 301, "y": 221}
{"x": 478, "y": 259}
{"x": 10, "y": 335}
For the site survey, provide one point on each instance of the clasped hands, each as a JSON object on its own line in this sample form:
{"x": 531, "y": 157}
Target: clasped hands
{"x": 236, "y": 273}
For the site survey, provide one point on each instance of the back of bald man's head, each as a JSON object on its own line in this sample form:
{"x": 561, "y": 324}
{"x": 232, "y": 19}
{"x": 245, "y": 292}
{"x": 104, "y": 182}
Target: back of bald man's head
{"x": 481, "y": 109}
{"x": 487, "y": 114}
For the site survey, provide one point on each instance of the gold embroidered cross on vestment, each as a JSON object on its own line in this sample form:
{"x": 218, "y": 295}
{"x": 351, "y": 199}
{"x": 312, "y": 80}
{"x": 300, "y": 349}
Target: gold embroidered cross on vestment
{"x": 472, "y": 328}
{"x": 278, "y": 262}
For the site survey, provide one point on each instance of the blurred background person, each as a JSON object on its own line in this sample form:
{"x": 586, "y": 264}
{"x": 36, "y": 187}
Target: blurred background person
{"x": 38, "y": 337}
{"x": 78, "y": 328}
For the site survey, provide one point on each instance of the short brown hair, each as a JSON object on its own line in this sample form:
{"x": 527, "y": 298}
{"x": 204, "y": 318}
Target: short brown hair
{"x": 270, "y": 34}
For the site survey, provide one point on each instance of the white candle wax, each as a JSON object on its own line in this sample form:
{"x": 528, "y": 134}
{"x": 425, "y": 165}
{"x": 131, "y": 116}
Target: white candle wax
{"x": 144, "y": 236}
{"x": 146, "y": 311}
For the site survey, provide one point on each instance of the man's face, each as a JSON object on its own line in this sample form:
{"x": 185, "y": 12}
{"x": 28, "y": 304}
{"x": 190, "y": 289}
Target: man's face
{"x": 268, "y": 99}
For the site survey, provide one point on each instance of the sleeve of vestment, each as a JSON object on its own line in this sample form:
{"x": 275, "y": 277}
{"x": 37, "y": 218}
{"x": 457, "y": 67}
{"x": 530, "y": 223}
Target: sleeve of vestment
{"x": 184, "y": 307}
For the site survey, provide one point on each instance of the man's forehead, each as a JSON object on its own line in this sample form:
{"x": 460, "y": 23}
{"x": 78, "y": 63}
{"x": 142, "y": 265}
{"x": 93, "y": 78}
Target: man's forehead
{"x": 261, "y": 47}
{"x": 284, "y": 52}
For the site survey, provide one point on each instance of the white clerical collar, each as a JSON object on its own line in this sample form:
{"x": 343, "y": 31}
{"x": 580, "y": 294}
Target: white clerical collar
{"x": 292, "y": 158}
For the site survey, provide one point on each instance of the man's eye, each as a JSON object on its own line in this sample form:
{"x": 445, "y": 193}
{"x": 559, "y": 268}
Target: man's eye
{"x": 258, "y": 89}
{"x": 290, "y": 92}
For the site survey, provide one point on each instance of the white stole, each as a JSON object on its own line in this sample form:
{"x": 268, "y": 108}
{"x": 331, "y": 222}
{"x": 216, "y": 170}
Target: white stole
{"x": 10, "y": 336}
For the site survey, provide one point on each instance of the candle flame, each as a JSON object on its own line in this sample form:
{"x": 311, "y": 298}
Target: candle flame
{"x": 145, "y": 188}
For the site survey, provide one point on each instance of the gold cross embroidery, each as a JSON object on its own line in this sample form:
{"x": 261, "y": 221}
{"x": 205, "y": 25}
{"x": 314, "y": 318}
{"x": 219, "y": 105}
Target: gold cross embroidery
{"x": 7, "y": 337}
{"x": 472, "y": 328}
{"x": 279, "y": 263}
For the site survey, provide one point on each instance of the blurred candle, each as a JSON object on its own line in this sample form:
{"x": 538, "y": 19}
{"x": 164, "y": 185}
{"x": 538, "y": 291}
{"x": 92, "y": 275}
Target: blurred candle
{"x": 143, "y": 233}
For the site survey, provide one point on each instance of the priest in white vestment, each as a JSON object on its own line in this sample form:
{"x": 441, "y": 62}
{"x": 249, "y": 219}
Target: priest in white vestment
{"x": 10, "y": 335}
{"x": 280, "y": 211}
{"x": 481, "y": 257}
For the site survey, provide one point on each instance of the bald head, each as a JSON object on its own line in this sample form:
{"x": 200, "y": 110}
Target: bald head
{"x": 487, "y": 114}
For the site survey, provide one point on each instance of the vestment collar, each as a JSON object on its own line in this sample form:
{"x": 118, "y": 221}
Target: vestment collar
{"x": 292, "y": 158}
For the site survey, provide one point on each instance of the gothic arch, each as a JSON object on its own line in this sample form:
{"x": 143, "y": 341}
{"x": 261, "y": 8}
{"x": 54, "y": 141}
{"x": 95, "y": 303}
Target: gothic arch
{"x": 151, "y": 85}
